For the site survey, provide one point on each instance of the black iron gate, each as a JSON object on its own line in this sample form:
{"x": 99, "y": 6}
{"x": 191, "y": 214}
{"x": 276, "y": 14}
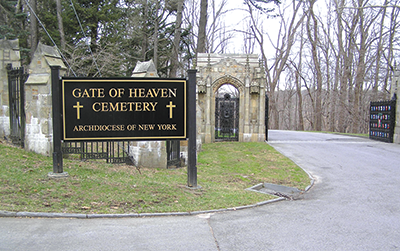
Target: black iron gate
{"x": 16, "y": 95}
{"x": 382, "y": 120}
{"x": 266, "y": 116}
{"x": 227, "y": 118}
{"x": 173, "y": 153}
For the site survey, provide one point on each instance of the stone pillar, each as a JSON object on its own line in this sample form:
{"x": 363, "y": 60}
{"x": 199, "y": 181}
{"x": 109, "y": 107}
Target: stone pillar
{"x": 38, "y": 100}
{"x": 152, "y": 154}
{"x": 395, "y": 91}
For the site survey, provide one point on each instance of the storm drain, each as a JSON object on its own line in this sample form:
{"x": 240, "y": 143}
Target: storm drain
{"x": 290, "y": 193}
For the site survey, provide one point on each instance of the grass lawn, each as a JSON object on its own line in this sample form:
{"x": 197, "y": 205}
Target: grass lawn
{"x": 224, "y": 171}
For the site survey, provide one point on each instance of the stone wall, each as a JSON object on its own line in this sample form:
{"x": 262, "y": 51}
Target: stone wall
{"x": 396, "y": 90}
{"x": 38, "y": 100}
{"x": 148, "y": 153}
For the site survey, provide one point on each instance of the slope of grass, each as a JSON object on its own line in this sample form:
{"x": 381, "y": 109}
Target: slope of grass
{"x": 224, "y": 171}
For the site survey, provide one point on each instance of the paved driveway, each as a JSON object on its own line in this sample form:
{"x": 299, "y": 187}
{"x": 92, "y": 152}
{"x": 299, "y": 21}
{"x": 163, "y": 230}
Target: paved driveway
{"x": 353, "y": 205}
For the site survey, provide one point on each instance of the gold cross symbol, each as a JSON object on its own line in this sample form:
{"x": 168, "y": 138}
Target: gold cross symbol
{"x": 170, "y": 106}
{"x": 78, "y": 107}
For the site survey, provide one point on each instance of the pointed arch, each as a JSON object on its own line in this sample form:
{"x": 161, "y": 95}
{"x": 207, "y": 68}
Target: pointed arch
{"x": 228, "y": 79}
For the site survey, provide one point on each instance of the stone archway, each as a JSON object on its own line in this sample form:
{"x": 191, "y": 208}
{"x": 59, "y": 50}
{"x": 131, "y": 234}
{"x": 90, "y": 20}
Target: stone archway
{"x": 245, "y": 73}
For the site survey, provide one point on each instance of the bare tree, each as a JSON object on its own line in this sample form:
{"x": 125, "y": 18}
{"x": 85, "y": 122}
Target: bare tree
{"x": 177, "y": 39}
{"x": 60, "y": 24}
{"x": 283, "y": 46}
{"x": 34, "y": 28}
{"x": 312, "y": 32}
{"x": 201, "y": 39}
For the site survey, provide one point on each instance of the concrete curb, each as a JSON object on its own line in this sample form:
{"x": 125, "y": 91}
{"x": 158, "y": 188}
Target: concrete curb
{"x": 130, "y": 215}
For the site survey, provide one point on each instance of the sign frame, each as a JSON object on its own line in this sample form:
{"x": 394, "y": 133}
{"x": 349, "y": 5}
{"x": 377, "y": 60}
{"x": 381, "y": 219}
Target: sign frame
{"x": 109, "y": 96}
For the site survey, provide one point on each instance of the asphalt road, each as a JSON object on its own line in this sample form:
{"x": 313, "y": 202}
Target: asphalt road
{"x": 353, "y": 205}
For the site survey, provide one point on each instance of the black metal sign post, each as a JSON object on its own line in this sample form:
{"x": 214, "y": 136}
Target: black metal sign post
{"x": 87, "y": 109}
{"x": 192, "y": 151}
{"x": 56, "y": 106}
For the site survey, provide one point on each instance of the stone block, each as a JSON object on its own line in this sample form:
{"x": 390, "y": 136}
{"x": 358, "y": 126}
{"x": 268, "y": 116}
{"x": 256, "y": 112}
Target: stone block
{"x": 44, "y": 126}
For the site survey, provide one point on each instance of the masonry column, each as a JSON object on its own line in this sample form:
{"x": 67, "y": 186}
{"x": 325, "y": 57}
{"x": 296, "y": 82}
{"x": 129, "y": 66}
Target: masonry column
{"x": 395, "y": 93}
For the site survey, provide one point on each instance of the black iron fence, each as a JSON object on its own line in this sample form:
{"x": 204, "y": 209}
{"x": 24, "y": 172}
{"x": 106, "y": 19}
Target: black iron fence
{"x": 16, "y": 91}
{"x": 111, "y": 151}
{"x": 116, "y": 151}
{"x": 382, "y": 120}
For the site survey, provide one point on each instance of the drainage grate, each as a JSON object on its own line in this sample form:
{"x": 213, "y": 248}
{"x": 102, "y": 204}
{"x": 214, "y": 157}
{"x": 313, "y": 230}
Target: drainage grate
{"x": 290, "y": 193}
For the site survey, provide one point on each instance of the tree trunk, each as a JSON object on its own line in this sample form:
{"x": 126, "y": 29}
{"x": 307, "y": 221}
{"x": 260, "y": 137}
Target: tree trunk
{"x": 34, "y": 28}
{"x": 360, "y": 72}
{"x": 177, "y": 39}
{"x": 300, "y": 102}
{"x": 201, "y": 39}
{"x": 155, "y": 38}
{"x": 312, "y": 31}
{"x": 60, "y": 24}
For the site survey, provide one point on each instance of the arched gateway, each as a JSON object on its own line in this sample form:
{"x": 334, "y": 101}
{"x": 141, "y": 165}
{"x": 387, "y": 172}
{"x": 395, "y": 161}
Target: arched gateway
{"x": 226, "y": 113}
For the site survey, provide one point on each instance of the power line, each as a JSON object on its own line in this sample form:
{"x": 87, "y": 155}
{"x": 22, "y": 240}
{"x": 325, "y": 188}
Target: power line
{"x": 44, "y": 28}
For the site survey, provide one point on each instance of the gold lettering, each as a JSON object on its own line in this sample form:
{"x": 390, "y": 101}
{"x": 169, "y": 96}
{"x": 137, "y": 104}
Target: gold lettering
{"x": 126, "y": 106}
{"x": 145, "y": 127}
{"x": 138, "y": 106}
{"x": 101, "y": 93}
{"x": 114, "y": 108}
{"x": 167, "y": 127}
{"x": 149, "y": 93}
{"x": 113, "y": 92}
{"x": 104, "y": 107}
{"x": 132, "y": 93}
{"x": 141, "y": 93}
{"x": 121, "y": 92}
{"x": 153, "y": 105}
{"x": 156, "y": 91}
{"x": 76, "y": 95}
{"x": 123, "y": 107}
{"x": 164, "y": 93}
{"x": 85, "y": 94}
{"x": 94, "y": 108}
{"x": 117, "y": 92}
{"x": 146, "y": 106}
{"x": 130, "y": 106}
{"x": 172, "y": 92}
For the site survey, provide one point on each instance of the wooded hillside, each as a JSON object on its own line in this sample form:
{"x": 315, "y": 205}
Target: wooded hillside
{"x": 324, "y": 60}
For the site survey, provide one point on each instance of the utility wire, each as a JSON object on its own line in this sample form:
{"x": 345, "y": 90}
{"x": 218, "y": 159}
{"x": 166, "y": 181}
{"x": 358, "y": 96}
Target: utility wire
{"x": 44, "y": 28}
{"x": 91, "y": 53}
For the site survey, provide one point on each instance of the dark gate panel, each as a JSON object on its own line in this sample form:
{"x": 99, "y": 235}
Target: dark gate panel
{"x": 112, "y": 151}
{"x": 266, "y": 116}
{"x": 16, "y": 80}
{"x": 227, "y": 118}
{"x": 382, "y": 120}
{"x": 173, "y": 153}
